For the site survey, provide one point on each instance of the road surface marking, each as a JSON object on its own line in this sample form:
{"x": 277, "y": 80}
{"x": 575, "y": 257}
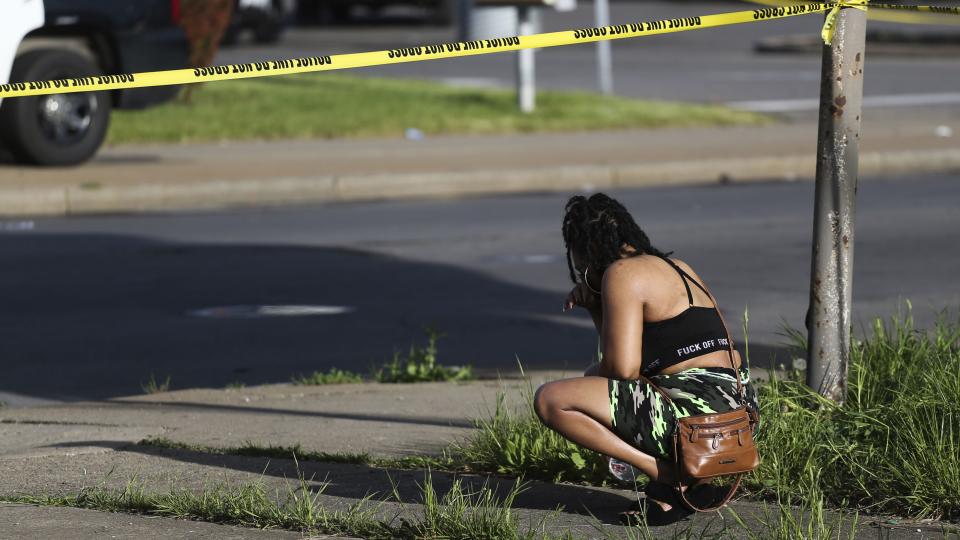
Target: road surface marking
{"x": 259, "y": 312}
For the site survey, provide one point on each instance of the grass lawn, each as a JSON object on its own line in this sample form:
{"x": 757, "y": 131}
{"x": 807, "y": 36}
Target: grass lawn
{"x": 336, "y": 106}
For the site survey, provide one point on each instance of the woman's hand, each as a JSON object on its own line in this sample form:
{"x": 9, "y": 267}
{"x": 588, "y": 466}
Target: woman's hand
{"x": 582, "y": 296}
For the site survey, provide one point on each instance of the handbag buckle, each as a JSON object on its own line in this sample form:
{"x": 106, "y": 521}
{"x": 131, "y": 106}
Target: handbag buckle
{"x": 716, "y": 438}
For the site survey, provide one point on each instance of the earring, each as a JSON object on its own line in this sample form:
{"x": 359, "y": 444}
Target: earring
{"x": 587, "y": 282}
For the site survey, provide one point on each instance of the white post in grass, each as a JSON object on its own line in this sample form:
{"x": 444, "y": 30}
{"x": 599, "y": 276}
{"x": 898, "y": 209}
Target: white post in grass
{"x": 526, "y": 74}
{"x": 601, "y": 9}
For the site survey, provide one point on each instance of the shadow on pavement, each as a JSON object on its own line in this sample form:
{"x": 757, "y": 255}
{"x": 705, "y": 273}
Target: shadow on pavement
{"x": 93, "y": 316}
{"x": 392, "y": 418}
{"x": 357, "y": 481}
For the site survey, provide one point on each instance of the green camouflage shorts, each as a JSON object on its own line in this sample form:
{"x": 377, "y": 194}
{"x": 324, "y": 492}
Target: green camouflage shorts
{"x": 642, "y": 417}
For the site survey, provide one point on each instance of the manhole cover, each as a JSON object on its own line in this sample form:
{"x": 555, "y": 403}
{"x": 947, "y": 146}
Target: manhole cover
{"x": 256, "y": 312}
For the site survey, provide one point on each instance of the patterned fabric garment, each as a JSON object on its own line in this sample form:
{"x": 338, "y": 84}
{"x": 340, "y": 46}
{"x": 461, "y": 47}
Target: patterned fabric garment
{"x": 643, "y": 418}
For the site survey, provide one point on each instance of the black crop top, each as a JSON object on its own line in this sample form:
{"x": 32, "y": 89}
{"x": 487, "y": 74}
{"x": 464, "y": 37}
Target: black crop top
{"x": 696, "y": 331}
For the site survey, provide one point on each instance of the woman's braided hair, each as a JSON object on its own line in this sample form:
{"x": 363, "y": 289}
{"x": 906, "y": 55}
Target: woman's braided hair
{"x": 599, "y": 228}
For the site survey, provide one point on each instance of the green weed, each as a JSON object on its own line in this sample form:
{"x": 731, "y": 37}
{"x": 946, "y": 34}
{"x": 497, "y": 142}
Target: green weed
{"x": 153, "y": 386}
{"x": 421, "y": 365}
{"x": 458, "y": 514}
{"x": 462, "y": 513}
{"x": 333, "y": 376}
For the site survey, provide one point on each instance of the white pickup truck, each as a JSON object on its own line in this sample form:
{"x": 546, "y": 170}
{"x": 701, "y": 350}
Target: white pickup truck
{"x": 56, "y": 39}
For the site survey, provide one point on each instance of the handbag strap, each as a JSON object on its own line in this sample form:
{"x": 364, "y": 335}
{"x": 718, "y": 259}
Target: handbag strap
{"x": 726, "y": 498}
{"x": 733, "y": 364}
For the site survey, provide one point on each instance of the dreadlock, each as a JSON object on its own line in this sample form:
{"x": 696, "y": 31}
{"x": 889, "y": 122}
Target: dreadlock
{"x": 599, "y": 228}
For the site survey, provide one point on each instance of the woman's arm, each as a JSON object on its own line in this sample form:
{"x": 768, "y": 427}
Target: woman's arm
{"x": 621, "y": 327}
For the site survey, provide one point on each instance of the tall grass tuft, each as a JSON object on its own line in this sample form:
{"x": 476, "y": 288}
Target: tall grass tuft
{"x": 810, "y": 520}
{"x": 514, "y": 441}
{"x": 893, "y": 446}
{"x": 465, "y": 513}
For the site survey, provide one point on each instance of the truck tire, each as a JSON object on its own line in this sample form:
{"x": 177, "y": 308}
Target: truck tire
{"x": 59, "y": 129}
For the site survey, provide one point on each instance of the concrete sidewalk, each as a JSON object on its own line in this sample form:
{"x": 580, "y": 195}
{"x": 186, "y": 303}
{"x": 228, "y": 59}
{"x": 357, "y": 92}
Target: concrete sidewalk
{"x": 61, "y": 449}
{"x": 28, "y": 522}
{"x": 170, "y": 177}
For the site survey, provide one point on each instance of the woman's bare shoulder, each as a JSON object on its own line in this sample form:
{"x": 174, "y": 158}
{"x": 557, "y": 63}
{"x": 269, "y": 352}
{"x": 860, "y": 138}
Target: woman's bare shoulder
{"x": 630, "y": 273}
{"x": 636, "y": 265}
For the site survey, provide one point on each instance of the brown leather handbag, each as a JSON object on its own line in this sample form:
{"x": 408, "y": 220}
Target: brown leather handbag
{"x": 713, "y": 445}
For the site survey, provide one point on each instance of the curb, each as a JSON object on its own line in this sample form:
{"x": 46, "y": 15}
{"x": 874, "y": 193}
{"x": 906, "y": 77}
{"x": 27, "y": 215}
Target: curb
{"x": 74, "y": 200}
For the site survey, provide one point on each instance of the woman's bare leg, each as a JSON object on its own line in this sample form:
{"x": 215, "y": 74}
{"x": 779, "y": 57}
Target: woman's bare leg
{"x": 579, "y": 410}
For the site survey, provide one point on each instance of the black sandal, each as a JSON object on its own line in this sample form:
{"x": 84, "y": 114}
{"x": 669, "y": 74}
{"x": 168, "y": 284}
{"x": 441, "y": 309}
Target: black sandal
{"x": 707, "y": 495}
{"x": 651, "y": 513}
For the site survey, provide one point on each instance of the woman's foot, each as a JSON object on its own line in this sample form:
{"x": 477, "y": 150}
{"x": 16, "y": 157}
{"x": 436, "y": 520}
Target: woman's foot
{"x": 651, "y": 512}
{"x": 662, "y": 506}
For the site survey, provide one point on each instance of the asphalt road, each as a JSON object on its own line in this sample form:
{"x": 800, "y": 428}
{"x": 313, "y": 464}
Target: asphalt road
{"x": 716, "y": 65}
{"x": 93, "y": 306}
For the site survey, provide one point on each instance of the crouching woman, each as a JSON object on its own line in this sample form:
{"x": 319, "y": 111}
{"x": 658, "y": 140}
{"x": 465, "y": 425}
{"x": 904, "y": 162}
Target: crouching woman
{"x": 658, "y": 322}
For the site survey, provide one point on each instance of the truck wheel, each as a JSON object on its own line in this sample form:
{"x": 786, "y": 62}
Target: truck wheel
{"x": 58, "y": 129}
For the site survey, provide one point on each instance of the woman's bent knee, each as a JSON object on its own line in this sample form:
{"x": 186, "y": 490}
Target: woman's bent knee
{"x": 541, "y": 402}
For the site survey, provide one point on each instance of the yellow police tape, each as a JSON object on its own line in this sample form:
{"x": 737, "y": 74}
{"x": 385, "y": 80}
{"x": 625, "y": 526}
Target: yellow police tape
{"x": 443, "y": 50}
{"x": 830, "y": 24}
{"x": 889, "y": 12}
{"x": 923, "y": 9}
{"x": 407, "y": 54}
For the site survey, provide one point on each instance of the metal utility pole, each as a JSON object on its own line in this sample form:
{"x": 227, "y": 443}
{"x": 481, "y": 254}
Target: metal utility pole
{"x": 526, "y": 75}
{"x": 829, "y": 318}
{"x": 601, "y": 10}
